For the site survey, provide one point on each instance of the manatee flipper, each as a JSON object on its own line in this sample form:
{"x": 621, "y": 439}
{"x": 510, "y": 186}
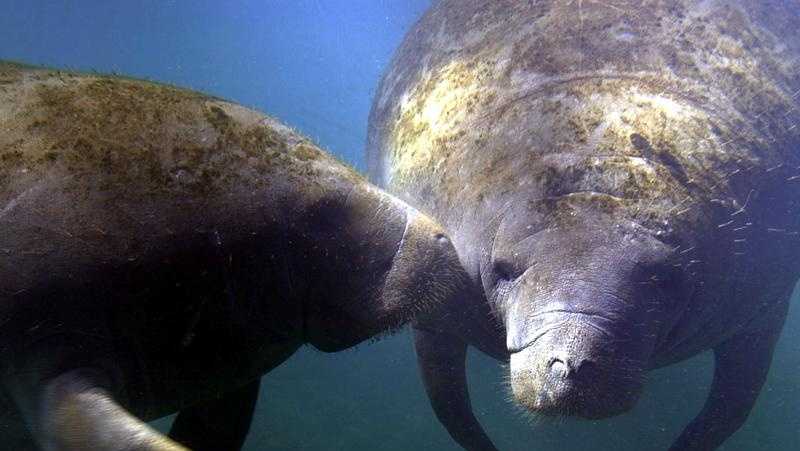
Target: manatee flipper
{"x": 219, "y": 425}
{"x": 76, "y": 413}
{"x": 741, "y": 366}
{"x": 442, "y": 363}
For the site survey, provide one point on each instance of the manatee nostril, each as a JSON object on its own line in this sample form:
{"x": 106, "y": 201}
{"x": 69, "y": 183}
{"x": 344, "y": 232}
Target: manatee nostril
{"x": 441, "y": 238}
{"x": 569, "y": 367}
{"x": 559, "y": 367}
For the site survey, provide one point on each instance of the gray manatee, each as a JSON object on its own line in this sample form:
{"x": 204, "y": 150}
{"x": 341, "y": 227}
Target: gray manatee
{"x": 620, "y": 177}
{"x": 162, "y": 249}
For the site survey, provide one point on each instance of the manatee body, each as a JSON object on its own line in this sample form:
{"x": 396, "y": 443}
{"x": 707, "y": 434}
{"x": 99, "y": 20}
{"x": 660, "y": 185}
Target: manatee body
{"x": 621, "y": 178}
{"x": 161, "y": 250}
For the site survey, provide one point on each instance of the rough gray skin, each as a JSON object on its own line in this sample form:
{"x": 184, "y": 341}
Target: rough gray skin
{"x": 621, "y": 177}
{"x": 161, "y": 250}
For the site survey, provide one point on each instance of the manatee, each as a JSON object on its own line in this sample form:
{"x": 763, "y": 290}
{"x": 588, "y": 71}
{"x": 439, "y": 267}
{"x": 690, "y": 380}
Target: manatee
{"x": 621, "y": 179}
{"x": 162, "y": 249}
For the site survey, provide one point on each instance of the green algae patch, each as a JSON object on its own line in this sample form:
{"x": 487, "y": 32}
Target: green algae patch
{"x": 111, "y": 127}
{"x": 252, "y": 139}
{"x": 137, "y": 140}
{"x": 9, "y": 73}
{"x": 129, "y": 136}
{"x": 645, "y": 89}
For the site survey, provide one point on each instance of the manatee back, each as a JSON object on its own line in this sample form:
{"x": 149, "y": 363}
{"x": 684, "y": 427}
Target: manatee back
{"x": 106, "y": 169}
{"x": 654, "y": 102}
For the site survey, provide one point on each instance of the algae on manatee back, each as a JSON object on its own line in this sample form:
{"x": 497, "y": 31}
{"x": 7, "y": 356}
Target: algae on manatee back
{"x": 146, "y": 135}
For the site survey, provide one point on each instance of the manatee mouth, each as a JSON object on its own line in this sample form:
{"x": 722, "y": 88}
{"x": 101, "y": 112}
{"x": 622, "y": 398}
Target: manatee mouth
{"x": 556, "y": 387}
{"x": 575, "y": 367}
{"x": 574, "y": 317}
{"x": 343, "y": 330}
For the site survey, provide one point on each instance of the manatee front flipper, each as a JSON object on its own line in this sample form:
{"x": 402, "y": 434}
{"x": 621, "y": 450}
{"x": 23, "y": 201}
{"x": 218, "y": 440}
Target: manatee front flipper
{"x": 442, "y": 363}
{"x": 75, "y": 413}
{"x": 741, "y": 366}
{"x": 218, "y": 425}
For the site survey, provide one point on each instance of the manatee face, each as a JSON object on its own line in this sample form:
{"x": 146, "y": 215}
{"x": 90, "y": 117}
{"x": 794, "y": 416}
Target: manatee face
{"x": 580, "y": 298}
{"x": 387, "y": 263}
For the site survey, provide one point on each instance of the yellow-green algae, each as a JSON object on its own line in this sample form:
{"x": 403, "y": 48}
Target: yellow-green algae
{"x": 649, "y": 108}
{"x": 143, "y": 136}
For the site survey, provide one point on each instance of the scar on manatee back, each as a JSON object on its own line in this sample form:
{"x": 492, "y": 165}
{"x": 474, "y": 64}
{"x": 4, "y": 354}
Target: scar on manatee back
{"x": 641, "y": 144}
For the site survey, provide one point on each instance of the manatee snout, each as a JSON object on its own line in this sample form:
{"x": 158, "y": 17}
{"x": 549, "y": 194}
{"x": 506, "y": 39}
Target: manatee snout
{"x": 574, "y": 369}
{"x": 403, "y": 265}
{"x": 425, "y": 272}
{"x": 584, "y": 315}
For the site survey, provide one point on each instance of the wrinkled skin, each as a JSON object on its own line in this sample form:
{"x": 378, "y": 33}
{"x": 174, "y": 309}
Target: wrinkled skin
{"x": 619, "y": 178}
{"x": 161, "y": 250}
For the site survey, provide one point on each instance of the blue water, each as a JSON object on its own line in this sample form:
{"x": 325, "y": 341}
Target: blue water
{"x": 315, "y": 65}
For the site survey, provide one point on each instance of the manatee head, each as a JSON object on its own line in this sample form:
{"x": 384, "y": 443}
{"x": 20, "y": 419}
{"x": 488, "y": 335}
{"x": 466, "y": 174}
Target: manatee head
{"x": 378, "y": 263}
{"x": 581, "y": 293}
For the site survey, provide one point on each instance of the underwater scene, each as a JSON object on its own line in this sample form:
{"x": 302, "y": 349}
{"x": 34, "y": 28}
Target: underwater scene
{"x": 425, "y": 225}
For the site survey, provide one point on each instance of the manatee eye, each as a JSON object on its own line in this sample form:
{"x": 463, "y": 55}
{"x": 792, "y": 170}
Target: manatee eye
{"x": 504, "y": 271}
